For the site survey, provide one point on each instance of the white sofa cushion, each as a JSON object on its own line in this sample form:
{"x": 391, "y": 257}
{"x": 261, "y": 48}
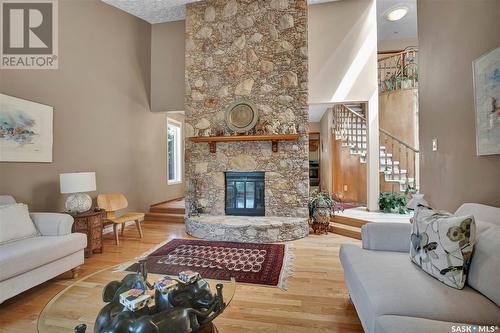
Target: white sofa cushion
{"x": 15, "y": 223}
{"x": 27, "y": 254}
{"x": 484, "y": 273}
{"x": 52, "y": 224}
{"x": 442, "y": 243}
{"x": 387, "y": 283}
{"x": 484, "y": 270}
{"x": 7, "y": 200}
{"x": 388, "y": 236}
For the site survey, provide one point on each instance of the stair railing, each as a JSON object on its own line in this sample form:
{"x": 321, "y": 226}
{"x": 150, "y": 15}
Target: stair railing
{"x": 398, "y": 70}
{"x": 350, "y": 127}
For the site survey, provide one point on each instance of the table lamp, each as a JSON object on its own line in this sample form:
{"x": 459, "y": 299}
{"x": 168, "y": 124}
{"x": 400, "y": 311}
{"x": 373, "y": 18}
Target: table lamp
{"x": 77, "y": 183}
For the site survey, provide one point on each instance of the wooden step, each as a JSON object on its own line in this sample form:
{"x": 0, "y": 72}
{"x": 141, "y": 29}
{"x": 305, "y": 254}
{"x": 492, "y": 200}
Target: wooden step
{"x": 167, "y": 210}
{"x": 348, "y": 221}
{"x": 164, "y": 217}
{"x": 345, "y": 230}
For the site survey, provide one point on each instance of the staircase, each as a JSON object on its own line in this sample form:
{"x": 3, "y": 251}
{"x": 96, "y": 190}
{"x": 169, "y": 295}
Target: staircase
{"x": 398, "y": 163}
{"x": 171, "y": 211}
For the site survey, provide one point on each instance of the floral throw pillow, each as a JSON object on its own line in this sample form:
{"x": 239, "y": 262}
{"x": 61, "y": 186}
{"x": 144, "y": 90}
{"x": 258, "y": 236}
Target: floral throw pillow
{"x": 442, "y": 243}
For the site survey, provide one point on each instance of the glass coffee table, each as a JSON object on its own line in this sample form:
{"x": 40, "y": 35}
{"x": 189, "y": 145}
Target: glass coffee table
{"x": 81, "y": 302}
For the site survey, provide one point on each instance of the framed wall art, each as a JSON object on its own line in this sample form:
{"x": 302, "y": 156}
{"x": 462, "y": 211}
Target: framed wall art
{"x": 487, "y": 102}
{"x": 25, "y": 130}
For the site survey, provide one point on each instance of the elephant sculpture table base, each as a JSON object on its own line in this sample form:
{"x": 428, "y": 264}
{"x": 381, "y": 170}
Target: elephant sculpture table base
{"x": 185, "y": 308}
{"x": 210, "y": 328}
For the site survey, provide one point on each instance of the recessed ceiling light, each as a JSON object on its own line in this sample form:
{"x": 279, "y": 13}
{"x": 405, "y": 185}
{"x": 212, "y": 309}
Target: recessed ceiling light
{"x": 396, "y": 13}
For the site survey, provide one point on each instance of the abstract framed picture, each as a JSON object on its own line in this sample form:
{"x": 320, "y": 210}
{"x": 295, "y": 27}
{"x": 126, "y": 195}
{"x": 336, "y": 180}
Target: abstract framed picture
{"x": 487, "y": 102}
{"x": 25, "y": 130}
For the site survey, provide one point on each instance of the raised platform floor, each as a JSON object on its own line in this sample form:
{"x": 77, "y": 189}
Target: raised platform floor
{"x": 349, "y": 222}
{"x": 247, "y": 229}
{"x": 361, "y": 213}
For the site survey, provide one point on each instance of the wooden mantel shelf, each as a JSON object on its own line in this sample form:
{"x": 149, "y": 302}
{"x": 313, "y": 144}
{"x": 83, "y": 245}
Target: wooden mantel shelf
{"x": 274, "y": 138}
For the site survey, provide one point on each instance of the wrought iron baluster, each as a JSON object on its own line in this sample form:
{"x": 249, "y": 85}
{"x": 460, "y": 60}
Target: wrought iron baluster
{"x": 400, "y": 162}
{"x": 356, "y": 123}
{"x": 392, "y": 158}
{"x": 386, "y": 166}
{"x": 407, "y": 167}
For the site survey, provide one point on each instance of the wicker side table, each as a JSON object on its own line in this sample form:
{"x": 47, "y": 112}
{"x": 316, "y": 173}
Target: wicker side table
{"x": 90, "y": 223}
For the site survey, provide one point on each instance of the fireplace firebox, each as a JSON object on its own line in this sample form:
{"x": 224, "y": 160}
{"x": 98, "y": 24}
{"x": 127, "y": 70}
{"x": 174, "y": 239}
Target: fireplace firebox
{"x": 245, "y": 193}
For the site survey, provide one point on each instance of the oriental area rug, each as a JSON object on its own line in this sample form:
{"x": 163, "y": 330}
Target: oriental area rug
{"x": 255, "y": 263}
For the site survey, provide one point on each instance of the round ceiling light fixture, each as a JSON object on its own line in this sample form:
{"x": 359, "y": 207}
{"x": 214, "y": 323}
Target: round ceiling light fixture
{"x": 396, "y": 13}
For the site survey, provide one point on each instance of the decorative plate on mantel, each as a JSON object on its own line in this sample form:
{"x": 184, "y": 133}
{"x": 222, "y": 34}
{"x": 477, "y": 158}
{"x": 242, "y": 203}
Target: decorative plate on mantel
{"x": 241, "y": 116}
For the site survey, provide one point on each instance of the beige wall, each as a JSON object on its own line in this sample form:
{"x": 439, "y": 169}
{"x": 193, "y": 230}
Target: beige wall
{"x": 398, "y": 112}
{"x": 451, "y": 35}
{"x": 314, "y": 127}
{"x": 396, "y": 44}
{"x": 102, "y": 120}
{"x": 342, "y": 50}
{"x": 167, "y": 66}
{"x": 326, "y": 152}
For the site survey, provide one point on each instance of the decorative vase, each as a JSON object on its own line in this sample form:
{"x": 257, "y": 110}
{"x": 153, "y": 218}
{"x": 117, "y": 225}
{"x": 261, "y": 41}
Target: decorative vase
{"x": 321, "y": 220}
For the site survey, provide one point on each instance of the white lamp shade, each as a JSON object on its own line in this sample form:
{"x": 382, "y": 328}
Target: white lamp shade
{"x": 77, "y": 182}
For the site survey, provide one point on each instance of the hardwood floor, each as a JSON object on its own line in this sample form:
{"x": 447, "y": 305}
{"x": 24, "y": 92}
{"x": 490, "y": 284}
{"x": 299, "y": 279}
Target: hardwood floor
{"x": 316, "y": 297}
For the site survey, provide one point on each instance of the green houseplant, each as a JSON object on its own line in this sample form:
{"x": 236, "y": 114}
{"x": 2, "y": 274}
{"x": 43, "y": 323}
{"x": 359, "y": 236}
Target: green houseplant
{"x": 321, "y": 207}
{"x": 392, "y": 202}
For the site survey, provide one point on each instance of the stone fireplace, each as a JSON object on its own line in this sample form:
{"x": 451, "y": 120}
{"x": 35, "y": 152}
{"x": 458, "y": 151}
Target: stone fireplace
{"x": 257, "y": 51}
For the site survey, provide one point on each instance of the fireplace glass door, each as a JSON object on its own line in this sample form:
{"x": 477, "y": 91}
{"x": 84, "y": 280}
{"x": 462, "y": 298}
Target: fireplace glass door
{"x": 245, "y": 193}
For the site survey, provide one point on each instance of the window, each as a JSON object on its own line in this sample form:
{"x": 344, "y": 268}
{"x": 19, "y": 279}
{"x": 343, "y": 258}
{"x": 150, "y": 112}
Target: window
{"x": 174, "y": 151}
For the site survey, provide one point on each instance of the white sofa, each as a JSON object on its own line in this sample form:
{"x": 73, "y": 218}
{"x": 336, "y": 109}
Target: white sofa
{"x": 393, "y": 295}
{"x": 31, "y": 261}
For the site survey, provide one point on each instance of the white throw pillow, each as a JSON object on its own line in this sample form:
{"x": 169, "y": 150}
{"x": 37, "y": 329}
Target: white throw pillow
{"x": 442, "y": 244}
{"x": 15, "y": 223}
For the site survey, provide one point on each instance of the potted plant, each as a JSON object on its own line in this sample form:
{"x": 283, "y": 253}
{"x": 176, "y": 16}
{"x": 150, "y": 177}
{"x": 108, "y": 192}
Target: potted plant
{"x": 392, "y": 202}
{"x": 321, "y": 208}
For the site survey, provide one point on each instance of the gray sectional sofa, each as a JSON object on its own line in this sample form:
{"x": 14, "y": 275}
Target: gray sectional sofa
{"x": 393, "y": 295}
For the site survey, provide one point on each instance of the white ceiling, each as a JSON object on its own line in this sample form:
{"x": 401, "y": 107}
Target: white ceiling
{"x": 402, "y": 29}
{"x": 153, "y": 11}
{"x": 316, "y": 111}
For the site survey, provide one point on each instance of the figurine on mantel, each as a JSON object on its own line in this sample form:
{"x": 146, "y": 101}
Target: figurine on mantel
{"x": 260, "y": 129}
{"x": 204, "y": 132}
{"x": 273, "y": 127}
{"x": 219, "y": 131}
{"x": 289, "y": 129}
{"x": 251, "y": 132}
